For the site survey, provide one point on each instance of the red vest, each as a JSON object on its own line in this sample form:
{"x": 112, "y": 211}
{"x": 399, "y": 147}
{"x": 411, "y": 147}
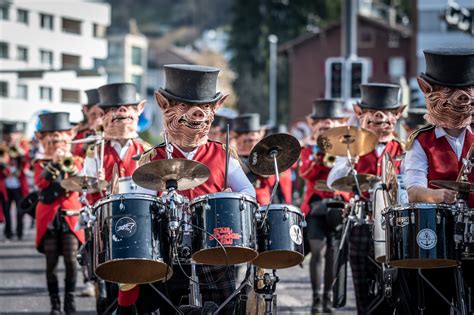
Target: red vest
{"x": 372, "y": 164}
{"x": 77, "y": 149}
{"x": 442, "y": 161}
{"x": 211, "y": 154}
{"x": 46, "y": 212}
{"x": 312, "y": 171}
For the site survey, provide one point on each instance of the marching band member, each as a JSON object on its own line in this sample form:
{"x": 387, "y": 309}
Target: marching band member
{"x": 414, "y": 120}
{"x": 436, "y": 150}
{"x": 218, "y": 129}
{"x": 92, "y": 116}
{"x": 14, "y": 162}
{"x": 55, "y": 233}
{"x": 327, "y": 113}
{"x": 378, "y": 111}
{"x": 189, "y": 102}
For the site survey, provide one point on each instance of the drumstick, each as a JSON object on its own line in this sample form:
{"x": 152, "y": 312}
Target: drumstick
{"x": 226, "y": 157}
{"x": 102, "y": 147}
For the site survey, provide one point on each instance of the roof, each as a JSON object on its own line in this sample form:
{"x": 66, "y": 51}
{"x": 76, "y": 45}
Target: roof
{"x": 377, "y": 22}
{"x": 171, "y": 55}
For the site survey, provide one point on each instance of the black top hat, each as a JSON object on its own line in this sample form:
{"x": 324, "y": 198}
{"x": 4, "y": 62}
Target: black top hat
{"x": 452, "y": 67}
{"x": 191, "y": 84}
{"x": 415, "y": 117}
{"x": 247, "y": 123}
{"x": 92, "y": 97}
{"x": 328, "y": 108}
{"x": 54, "y": 122}
{"x": 12, "y": 127}
{"x": 117, "y": 94}
{"x": 379, "y": 96}
{"x": 218, "y": 121}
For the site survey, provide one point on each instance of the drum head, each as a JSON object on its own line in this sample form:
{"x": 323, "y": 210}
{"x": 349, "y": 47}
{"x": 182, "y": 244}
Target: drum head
{"x": 133, "y": 271}
{"x": 216, "y": 256}
{"x": 278, "y": 259}
{"x": 423, "y": 263}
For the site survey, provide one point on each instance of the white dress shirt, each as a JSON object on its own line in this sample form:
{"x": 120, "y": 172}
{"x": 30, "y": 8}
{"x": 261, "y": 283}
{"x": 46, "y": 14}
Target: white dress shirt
{"x": 91, "y": 164}
{"x": 416, "y": 161}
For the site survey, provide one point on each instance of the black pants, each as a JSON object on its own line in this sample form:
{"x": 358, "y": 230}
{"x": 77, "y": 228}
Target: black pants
{"x": 14, "y": 195}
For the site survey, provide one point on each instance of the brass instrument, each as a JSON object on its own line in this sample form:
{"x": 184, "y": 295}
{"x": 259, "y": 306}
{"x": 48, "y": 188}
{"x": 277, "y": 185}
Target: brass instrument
{"x": 11, "y": 151}
{"x": 67, "y": 165}
{"x": 329, "y": 160}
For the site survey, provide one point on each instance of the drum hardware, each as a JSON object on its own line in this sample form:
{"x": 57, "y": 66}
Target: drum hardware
{"x": 227, "y": 156}
{"x": 269, "y": 282}
{"x": 347, "y": 183}
{"x": 466, "y": 168}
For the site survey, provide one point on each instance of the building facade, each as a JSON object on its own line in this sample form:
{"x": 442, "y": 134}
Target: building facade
{"x": 50, "y": 52}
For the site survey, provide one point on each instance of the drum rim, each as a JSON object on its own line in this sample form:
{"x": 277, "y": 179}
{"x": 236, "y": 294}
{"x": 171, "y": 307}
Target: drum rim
{"x": 123, "y": 178}
{"x": 272, "y": 208}
{"x": 222, "y": 195}
{"x": 126, "y": 196}
{"x": 419, "y": 206}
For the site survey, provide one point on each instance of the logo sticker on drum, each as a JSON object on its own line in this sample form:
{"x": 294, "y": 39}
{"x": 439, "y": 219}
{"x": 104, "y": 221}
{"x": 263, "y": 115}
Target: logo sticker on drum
{"x": 125, "y": 227}
{"x": 426, "y": 239}
{"x": 296, "y": 235}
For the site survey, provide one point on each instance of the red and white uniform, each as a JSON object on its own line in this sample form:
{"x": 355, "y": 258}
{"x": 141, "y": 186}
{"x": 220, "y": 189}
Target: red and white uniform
{"x": 78, "y": 148}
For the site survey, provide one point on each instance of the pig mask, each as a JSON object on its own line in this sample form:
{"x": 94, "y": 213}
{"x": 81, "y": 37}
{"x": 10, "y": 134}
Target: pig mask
{"x": 121, "y": 122}
{"x": 53, "y": 140}
{"x": 186, "y": 124}
{"x": 247, "y": 140}
{"x": 381, "y": 122}
{"x": 448, "y": 107}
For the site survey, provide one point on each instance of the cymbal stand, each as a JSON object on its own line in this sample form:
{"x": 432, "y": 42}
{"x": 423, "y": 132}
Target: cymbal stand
{"x": 194, "y": 293}
{"x": 273, "y": 154}
{"x": 268, "y": 291}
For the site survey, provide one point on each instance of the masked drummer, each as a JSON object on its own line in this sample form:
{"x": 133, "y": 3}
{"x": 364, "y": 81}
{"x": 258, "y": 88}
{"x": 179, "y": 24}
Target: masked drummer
{"x": 327, "y": 114}
{"x": 378, "y": 111}
{"x": 56, "y": 212}
{"x": 436, "y": 150}
{"x": 189, "y": 101}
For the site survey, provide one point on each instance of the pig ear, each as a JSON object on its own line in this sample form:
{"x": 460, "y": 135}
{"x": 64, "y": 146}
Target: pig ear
{"x": 162, "y": 100}
{"x": 219, "y": 103}
{"x": 400, "y": 111}
{"x": 141, "y": 107}
{"x": 424, "y": 85}
{"x": 357, "y": 110}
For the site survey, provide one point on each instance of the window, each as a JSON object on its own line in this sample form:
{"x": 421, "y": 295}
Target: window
{"x": 22, "y": 16}
{"x": 136, "y": 56}
{"x": 22, "y": 91}
{"x": 3, "y": 89}
{"x": 47, "y": 21}
{"x": 3, "y": 50}
{"x": 71, "y": 26}
{"x": 366, "y": 38}
{"x": 396, "y": 67}
{"x": 393, "y": 40}
{"x": 46, "y": 57}
{"x": 137, "y": 80}
{"x": 70, "y": 96}
{"x": 4, "y": 12}
{"x": 22, "y": 53}
{"x": 70, "y": 61}
{"x": 46, "y": 93}
{"x": 115, "y": 54}
{"x": 99, "y": 31}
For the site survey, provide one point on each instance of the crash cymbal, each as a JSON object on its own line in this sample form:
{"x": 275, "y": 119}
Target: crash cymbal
{"x": 87, "y": 139}
{"x": 347, "y": 183}
{"x": 462, "y": 187}
{"x": 155, "y": 174}
{"x": 336, "y": 141}
{"x": 285, "y": 147}
{"x": 79, "y": 183}
{"x": 322, "y": 185}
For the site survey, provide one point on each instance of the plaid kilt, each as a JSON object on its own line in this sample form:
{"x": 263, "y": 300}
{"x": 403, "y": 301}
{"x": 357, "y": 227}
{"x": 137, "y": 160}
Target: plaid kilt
{"x": 216, "y": 292}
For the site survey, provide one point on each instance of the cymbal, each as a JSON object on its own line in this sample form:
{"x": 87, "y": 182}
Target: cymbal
{"x": 79, "y": 183}
{"x": 322, "y": 185}
{"x": 336, "y": 141}
{"x": 187, "y": 173}
{"x": 87, "y": 139}
{"x": 285, "y": 147}
{"x": 347, "y": 183}
{"x": 463, "y": 187}
{"x": 389, "y": 178}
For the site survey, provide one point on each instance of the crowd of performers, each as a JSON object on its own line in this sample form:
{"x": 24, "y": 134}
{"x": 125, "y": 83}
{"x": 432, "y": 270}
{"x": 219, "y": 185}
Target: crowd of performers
{"x": 440, "y": 136}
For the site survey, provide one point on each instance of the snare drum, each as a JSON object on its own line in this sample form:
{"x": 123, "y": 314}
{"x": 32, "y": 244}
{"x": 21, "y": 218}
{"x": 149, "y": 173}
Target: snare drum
{"x": 227, "y": 217}
{"x": 127, "y": 186}
{"x": 280, "y": 239}
{"x": 130, "y": 240}
{"x": 420, "y": 235}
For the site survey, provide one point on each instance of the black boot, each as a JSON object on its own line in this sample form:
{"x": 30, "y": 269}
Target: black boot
{"x": 69, "y": 302}
{"x": 327, "y": 304}
{"x": 126, "y": 310}
{"x": 55, "y": 305}
{"x": 316, "y": 304}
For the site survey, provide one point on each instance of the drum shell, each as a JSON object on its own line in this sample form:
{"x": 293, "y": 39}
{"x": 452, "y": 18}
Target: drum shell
{"x": 129, "y": 234}
{"x": 420, "y": 236}
{"x": 280, "y": 238}
{"x": 229, "y": 217}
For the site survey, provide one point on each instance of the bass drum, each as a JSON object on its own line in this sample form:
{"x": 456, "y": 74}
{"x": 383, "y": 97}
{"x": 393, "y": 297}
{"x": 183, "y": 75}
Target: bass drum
{"x": 227, "y": 217}
{"x": 420, "y": 236}
{"x": 130, "y": 239}
{"x": 280, "y": 238}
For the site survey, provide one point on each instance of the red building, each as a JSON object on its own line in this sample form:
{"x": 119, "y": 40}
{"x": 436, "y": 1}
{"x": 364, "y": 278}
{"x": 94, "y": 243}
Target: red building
{"x": 388, "y": 49}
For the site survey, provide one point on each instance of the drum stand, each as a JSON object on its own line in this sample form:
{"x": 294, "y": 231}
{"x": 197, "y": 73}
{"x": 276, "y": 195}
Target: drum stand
{"x": 268, "y": 291}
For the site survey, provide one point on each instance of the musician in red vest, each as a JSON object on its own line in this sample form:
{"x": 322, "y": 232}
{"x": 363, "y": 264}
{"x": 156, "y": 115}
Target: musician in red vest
{"x": 327, "y": 114}
{"x": 57, "y": 209}
{"x": 15, "y": 162}
{"x": 378, "y": 111}
{"x": 435, "y": 152}
{"x": 189, "y": 101}
{"x": 92, "y": 117}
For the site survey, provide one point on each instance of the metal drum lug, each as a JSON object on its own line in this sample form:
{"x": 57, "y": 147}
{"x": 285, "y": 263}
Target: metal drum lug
{"x": 438, "y": 217}
{"x": 121, "y": 206}
{"x": 412, "y": 218}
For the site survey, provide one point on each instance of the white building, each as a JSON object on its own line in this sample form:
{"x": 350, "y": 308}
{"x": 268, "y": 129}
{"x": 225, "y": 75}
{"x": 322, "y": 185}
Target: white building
{"x": 50, "y": 52}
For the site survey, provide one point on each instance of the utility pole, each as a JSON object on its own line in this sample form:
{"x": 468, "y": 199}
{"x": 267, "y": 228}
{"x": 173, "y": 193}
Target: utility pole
{"x": 273, "y": 40}
{"x": 348, "y": 41}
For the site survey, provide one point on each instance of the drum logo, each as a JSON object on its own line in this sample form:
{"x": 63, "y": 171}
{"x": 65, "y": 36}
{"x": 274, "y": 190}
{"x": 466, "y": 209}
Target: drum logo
{"x": 225, "y": 235}
{"x": 125, "y": 227}
{"x": 426, "y": 239}
{"x": 296, "y": 235}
